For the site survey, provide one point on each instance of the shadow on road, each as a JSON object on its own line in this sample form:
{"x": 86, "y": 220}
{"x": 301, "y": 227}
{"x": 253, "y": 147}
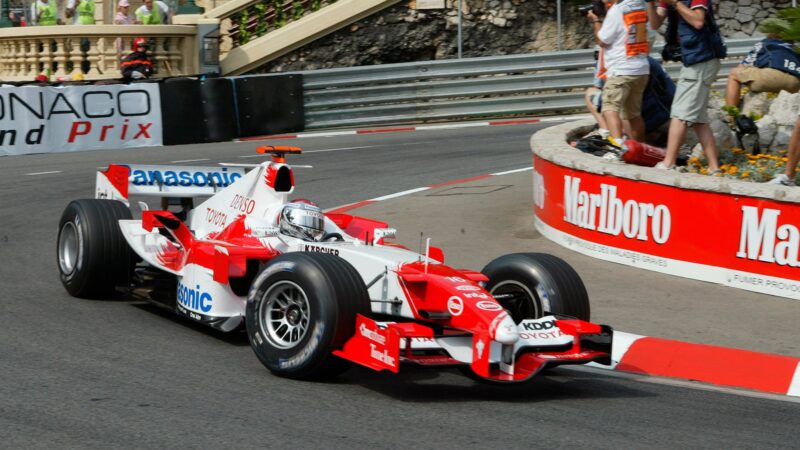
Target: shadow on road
{"x": 425, "y": 385}
{"x": 237, "y": 337}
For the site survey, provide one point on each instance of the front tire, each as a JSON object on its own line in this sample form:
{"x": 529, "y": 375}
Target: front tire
{"x": 92, "y": 254}
{"x": 302, "y": 307}
{"x": 530, "y": 285}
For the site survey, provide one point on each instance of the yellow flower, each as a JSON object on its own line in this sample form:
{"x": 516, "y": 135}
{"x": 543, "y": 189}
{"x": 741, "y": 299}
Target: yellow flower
{"x": 732, "y": 170}
{"x": 745, "y": 174}
{"x": 703, "y": 171}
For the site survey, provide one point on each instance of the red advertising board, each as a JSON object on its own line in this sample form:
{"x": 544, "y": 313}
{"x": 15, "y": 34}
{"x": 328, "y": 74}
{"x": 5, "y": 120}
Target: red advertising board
{"x": 744, "y": 242}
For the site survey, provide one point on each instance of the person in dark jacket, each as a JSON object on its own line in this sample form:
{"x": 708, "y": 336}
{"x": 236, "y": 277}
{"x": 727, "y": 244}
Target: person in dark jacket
{"x": 137, "y": 65}
{"x": 702, "y": 47}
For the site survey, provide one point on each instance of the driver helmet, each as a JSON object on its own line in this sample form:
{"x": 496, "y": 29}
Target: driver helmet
{"x": 302, "y": 220}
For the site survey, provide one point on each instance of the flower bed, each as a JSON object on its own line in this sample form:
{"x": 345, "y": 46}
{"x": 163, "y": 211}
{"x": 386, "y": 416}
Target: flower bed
{"x": 742, "y": 165}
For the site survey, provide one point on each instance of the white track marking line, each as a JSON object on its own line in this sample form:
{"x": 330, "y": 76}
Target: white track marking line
{"x": 508, "y": 172}
{"x": 44, "y": 173}
{"x": 314, "y": 151}
{"x": 339, "y": 149}
{"x": 425, "y": 188}
{"x": 399, "y": 194}
{"x": 189, "y": 160}
{"x": 448, "y": 127}
{"x": 564, "y": 118}
{"x": 327, "y": 134}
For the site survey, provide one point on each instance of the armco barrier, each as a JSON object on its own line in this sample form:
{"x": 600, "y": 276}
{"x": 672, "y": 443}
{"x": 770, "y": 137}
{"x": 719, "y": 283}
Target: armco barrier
{"x": 454, "y": 89}
{"x": 736, "y": 233}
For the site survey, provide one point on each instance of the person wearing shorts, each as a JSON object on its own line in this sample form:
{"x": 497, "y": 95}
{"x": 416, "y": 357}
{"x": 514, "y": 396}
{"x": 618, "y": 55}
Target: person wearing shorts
{"x": 787, "y": 178}
{"x": 701, "y": 49}
{"x": 623, "y": 37}
{"x": 771, "y": 66}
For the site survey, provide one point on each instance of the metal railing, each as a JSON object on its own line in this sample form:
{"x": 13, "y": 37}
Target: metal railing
{"x": 460, "y": 88}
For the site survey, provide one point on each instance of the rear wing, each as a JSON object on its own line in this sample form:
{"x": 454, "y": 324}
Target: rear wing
{"x": 118, "y": 182}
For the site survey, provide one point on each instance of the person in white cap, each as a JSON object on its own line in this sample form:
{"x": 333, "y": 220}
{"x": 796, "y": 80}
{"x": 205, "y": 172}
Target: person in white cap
{"x": 123, "y": 17}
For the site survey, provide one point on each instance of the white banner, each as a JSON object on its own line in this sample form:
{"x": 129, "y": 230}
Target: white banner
{"x": 72, "y": 118}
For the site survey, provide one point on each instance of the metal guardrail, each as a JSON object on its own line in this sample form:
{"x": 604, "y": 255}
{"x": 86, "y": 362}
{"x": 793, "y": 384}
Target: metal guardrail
{"x": 460, "y": 88}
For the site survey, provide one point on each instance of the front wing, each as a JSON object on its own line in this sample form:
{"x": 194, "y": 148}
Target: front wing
{"x": 549, "y": 341}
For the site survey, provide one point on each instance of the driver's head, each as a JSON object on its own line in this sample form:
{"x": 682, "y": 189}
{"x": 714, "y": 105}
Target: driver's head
{"x": 303, "y": 221}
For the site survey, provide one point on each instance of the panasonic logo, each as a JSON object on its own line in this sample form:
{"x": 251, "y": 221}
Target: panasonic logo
{"x": 194, "y": 298}
{"x": 221, "y": 178}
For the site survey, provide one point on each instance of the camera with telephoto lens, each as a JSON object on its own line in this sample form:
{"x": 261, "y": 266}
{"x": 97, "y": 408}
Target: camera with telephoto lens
{"x": 584, "y": 10}
{"x": 672, "y": 52}
{"x": 598, "y": 7}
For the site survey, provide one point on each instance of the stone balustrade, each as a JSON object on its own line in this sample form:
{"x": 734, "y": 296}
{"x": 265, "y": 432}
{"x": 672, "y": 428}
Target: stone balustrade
{"x": 96, "y": 49}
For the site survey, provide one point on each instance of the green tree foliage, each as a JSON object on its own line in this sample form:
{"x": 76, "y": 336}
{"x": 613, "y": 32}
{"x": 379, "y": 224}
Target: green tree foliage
{"x": 786, "y": 26}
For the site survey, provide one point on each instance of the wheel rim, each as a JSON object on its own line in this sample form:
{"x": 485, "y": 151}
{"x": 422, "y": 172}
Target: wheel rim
{"x": 284, "y": 314}
{"x": 521, "y": 302}
{"x": 68, "y": 248}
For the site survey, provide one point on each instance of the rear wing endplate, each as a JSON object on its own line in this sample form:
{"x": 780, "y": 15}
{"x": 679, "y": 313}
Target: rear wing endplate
{"x": 118, "y": 182}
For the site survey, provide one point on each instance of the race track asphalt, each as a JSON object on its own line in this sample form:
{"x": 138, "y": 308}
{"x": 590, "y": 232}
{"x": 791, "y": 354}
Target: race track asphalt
{"x": 119, "y": 374}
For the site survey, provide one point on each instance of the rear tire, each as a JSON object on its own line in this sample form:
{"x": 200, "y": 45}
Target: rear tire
{"x": 537, "y": 283}
{"x": 302, "y": 307}
{"x": 92, "y": 255}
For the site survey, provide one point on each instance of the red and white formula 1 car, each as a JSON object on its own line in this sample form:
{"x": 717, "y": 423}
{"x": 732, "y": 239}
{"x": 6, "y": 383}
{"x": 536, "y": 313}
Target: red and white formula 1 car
{"x": 318, "y": 291}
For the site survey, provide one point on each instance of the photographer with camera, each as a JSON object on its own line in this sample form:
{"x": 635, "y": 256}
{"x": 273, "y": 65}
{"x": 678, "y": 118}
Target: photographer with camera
{"x": 702, "y": 47}
{"x": 623, "y": 39}
{"x": 772, "y": 65}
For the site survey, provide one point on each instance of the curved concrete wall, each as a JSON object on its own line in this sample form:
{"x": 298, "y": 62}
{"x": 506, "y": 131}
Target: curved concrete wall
{"x": 741, "y": 234}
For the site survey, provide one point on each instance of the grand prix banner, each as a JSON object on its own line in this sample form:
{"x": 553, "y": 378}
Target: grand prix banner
{"x": 71, "y": 118}
{"x": 743, "y": 242}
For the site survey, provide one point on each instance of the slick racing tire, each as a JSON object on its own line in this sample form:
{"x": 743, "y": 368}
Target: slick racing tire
{"x": 302, "y": 307}
{"x": 92, "y": 254}
{"x": 530, "y": 285}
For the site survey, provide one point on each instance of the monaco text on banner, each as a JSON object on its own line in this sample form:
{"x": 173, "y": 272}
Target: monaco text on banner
{"x": 62, "y": 119}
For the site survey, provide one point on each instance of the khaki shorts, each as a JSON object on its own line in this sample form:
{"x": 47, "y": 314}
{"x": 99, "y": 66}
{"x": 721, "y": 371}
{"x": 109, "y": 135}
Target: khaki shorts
{"x": 691, "y": 95}
{"x": 767, "y": 80}
{"x": 623, "y": 94}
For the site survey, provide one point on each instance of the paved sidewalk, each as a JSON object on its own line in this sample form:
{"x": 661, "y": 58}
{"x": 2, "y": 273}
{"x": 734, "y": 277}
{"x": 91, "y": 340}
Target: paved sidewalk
{"x": 478, "y": 220}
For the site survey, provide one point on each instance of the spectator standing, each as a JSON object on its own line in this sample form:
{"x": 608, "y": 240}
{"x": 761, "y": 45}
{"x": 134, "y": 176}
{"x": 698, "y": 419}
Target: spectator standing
{"x": 702, "y": 48}
{"x": 153, "y": 13}
{"x": 44, "y": 12}
{"x": 623, "y": 37}
{"x": 16, "y": 21}
{"x": 81, "y": 11}
{"x": 123, "y": 16}
{"x": 771, "y": 66}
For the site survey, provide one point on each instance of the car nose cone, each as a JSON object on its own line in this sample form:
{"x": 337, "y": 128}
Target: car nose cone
{"x": 506, "y": 331}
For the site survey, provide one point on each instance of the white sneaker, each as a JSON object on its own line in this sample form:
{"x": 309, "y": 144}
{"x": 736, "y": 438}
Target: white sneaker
{"x": 783, "y": 180}
{"x": 611, "y": 156}
{"x": 663, "y": 166}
